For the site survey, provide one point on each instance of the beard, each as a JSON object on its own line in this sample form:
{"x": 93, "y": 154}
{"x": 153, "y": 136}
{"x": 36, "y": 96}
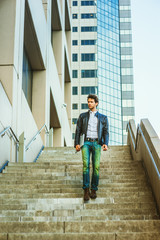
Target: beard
{"x": 91, "y": 107}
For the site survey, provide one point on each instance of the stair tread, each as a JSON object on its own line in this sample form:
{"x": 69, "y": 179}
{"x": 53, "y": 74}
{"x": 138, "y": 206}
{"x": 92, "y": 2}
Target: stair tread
{"x": 80, "y": 236}
{"x": 152, "y": 226}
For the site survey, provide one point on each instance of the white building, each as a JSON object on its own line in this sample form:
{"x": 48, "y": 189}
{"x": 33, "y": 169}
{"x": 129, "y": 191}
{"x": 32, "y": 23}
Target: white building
{"x": 35, "y": 73}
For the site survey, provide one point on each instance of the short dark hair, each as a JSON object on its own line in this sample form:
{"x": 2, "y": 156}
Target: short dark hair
{"x": 93, "y": 97}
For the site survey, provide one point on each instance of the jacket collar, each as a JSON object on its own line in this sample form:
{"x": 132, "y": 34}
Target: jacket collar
{"x": 97, "y": 114}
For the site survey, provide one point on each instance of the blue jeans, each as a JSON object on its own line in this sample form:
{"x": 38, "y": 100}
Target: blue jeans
{"x": 87, "y": 149}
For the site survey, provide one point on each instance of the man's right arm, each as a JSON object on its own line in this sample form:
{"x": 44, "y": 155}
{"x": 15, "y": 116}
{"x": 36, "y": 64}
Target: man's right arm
{"x": 77, "y": 133}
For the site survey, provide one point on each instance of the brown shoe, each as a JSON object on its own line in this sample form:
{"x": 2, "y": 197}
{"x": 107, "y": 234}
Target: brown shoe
{"x": 86, "y": 194}
{"x": 93, "y": 194}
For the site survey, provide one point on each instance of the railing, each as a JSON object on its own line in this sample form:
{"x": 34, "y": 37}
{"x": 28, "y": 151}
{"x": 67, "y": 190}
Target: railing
{"x": 24, "y": 149}
{"x": 34, "y": 138}
{"x": 129, "y": 129}
{"x": 135, "y": 144}
{"x": 3, "y": 166}
{"x": 145, "y": 145}
{"x": 13, "y": 136}
{"x": 20, "y": 143}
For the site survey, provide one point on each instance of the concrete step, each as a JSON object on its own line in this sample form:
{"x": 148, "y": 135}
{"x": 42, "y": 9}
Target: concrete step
{"x": 66, "y": 149}
{"x": 35, "y": 172}
{"x": 43, "y": 195}
{"x": 81, "y": 214}
{"x": 51, "y": 189}
{"x": 84, "y": 236}
{"x": 49, "y": 184}
{"x": 112, "y": 198}
{"x": 68, "y": 176}
{"x": 93, "y": 206}
{"x": 69, "y": 164}
{"x": 103, "y": 174}
{"x": 72, "y": 162}
{"x": 114, "y": 226}
{"x": 64, "y": 175}
{"x": 129, "y": 226}
{"x": 103, "y": 158}
{"x": 74, "y": 183}
{"x": 77, "y": 154}
{"x": 76, "y": 218}
{"x": 80, "y": 236}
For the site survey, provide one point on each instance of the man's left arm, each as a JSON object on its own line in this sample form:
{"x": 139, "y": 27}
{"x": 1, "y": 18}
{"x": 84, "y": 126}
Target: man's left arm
{"x": 105, "y": 134}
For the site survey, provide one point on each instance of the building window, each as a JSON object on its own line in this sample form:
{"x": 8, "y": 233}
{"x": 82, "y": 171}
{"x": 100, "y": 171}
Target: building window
{"x": 75, "y": 3}
{"x": 88, "y": 15}
{"x": 74, "y": 120}
{"x": 74, "y": 16}
{"x": 84, "y": 106}
{"x": 74, "y": 42}
{"x": 89, "y": 90}
{"x": 88, "y": 42}
{"x": 88, "y": 3}
{"x": 74, "y": 29}
{"x": 27, "y": 78}
{"x": 87, "y": 57}
{"x": 88, "y": 73}
{"x": 89, "y": 29}
{"x": 74, "y": 73}
{"x": 73, "y": 135}
{"x": 74, "y": 90}
{"x": 74, "y": 57}
{"x": 75, "y": 106}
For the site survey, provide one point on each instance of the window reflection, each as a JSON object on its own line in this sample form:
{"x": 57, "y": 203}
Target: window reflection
{"x": 109, "y": 66}
{"x": 27, "y": 78}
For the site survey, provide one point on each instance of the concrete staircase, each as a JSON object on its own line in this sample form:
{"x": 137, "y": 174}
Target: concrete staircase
{"x": 44, "y": 200}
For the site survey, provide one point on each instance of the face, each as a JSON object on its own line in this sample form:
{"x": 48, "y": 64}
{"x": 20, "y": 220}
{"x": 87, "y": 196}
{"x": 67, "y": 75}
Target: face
{"x": 91, "y": 104}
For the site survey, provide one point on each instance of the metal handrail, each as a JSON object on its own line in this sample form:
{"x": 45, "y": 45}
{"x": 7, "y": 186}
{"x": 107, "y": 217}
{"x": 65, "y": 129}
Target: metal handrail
{"x": 128, "y": 128}
{"x": 12, "y": 134}
{"x": 4, "y": 131}
{"x": 3, "y": 166}
{"x": 135, "y": 144}
{"x": 34, "y": 138}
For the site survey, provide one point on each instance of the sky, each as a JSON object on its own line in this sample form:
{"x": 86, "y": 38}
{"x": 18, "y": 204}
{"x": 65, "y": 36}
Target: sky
{"x": 146, "y": 60}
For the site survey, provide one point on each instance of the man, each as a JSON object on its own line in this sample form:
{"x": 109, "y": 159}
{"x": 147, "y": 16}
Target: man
{"x": 94, "y": 126}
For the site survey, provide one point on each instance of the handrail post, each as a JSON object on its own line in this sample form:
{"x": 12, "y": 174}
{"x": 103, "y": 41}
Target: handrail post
{"x": 47, "y": 139}
{"x": 136, "y": 143}
{"x": 17, "y": 152}
{"x": 51, "y": 137}
{"x": 21, "y": 148}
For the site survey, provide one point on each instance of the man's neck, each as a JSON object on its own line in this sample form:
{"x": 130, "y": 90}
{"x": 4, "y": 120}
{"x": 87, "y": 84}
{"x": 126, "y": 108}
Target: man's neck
{"x": 93, "y": 110}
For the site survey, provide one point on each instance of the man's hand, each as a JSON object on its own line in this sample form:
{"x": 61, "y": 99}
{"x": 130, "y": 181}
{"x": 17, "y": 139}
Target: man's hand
{"x": 78, "y": 148}
{"x": 105, "y": 147}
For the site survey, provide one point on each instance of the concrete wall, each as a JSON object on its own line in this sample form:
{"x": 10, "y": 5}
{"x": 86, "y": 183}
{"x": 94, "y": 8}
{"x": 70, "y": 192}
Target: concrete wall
{"x": 152, "y": 164}
{"x": 5, "y": 120}
{"x": 22, "y": 25}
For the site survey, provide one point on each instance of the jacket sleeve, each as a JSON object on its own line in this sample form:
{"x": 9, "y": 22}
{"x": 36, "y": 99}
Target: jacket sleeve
{"x": 106, "y": 131}
{"x": 78, "y": 131}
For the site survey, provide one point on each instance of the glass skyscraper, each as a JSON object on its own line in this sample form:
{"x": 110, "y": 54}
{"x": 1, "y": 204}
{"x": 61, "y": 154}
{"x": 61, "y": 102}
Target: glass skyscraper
{"x": 109, "y": 75}
{"x": 104, "y": 64}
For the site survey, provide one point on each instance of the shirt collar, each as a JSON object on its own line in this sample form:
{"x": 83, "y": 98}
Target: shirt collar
{"x": 93, "y": 112}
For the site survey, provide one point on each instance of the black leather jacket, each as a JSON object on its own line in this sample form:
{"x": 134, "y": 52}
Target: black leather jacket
{"x": 82, "y": 125}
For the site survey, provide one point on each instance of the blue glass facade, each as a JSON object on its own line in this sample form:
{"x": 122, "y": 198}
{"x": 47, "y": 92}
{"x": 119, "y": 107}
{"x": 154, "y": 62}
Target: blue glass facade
{"x": 109, "y": 73}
